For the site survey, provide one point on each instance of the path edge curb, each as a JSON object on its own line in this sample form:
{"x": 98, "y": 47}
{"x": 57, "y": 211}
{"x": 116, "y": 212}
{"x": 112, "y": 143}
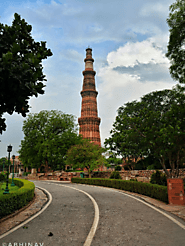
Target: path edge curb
{"x": 142, "y": 200}
{"x": 44, "y": 207}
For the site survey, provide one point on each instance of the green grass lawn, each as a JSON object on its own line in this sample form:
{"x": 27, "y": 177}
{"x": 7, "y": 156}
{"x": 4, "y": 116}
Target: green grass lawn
{"x": 11, "y": 188}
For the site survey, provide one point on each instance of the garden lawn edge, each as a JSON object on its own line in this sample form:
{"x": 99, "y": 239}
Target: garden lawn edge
{"x": 9, "y": 203}
{"x": 152, "y": 190}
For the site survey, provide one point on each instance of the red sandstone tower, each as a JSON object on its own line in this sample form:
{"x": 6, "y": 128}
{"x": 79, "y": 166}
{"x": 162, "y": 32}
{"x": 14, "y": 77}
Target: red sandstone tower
{"x": 89, "y": 121}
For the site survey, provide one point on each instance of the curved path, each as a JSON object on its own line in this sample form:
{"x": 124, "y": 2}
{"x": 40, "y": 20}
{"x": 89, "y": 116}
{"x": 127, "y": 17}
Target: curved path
{"x": 122, "y": 220}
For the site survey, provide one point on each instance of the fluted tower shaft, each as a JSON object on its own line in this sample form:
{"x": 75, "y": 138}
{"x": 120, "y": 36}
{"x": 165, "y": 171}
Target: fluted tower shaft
{"x": 89, "y": 121}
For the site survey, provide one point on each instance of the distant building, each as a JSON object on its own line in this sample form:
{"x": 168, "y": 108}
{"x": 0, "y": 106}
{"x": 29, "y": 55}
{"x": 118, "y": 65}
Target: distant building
{"x": 18, "y": 166}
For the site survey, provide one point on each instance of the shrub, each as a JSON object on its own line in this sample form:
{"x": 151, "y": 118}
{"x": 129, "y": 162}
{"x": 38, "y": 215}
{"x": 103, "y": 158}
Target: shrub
{"x": 153, "y": 190}
{"x": 133, "y": 180}
{"x": 115, "y": 175}
{"x": 158, "y": 178}
{"x": 2, "y": 177}
{"x": 17, "y": 199}
{"x": 70, "y": 170}
{"x": 26, "y": 173}
{"x": 151, "y": 167}
{"x": 118, "y": 168}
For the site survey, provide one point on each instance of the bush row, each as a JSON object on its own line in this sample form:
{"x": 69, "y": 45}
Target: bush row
{"x": 9, "y": 203}
{"x": 152, "y": 190}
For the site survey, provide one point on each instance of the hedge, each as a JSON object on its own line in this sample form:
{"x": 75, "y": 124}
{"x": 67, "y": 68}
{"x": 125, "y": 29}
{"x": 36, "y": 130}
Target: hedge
{"x": 152, "y": 190}
{"x": 9, "y": 203}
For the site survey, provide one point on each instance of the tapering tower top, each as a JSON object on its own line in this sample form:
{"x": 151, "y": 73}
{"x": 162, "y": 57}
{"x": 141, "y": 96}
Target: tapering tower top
{"x": 89, "y": 61}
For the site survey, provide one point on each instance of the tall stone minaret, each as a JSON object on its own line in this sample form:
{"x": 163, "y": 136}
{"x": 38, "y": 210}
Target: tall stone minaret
{"x": 89, "y": 121}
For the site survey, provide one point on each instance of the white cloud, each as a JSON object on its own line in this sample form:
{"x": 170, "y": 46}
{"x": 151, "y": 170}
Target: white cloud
{"x": 117, "y": 88}
{"x": 134, "y": 53}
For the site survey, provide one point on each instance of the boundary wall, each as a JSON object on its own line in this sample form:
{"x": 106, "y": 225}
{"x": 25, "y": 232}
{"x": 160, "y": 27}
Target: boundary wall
{"x": 140, "y": 175}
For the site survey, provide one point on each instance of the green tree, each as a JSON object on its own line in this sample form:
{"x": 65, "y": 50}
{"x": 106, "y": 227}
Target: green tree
{"x": 21, "y": 74}
{"x": 150, "y": 163}
{"x": 47, "y": 137}
{"x": 86, "y": 155}
{"x": 126, "y": 136}
{"x": 118, "y": 168}
{"x": 115, "y": 175}
{"x": 176, "y": 45}
{"x": 113, "y": 160}
{"x": 5, "y": 162}
{"x": 155, "y": 125}
{"x": 158, "y": 178}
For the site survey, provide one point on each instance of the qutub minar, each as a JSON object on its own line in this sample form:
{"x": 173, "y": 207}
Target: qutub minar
{"x": 89, "y": 121}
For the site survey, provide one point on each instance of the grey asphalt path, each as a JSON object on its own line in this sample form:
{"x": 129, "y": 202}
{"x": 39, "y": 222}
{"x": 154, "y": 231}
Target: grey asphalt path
{"x": 126, "y": 221}
{"x": 69, "y": 218}
{"x": 123, "y": 220}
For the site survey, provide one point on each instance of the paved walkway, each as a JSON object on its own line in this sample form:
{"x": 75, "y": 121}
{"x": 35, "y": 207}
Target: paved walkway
{"x": 40, "y": 200}
{"x": 176, "y": 210}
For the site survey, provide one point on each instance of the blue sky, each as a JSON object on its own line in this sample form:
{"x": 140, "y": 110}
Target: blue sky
{"x": 129, "y": 40}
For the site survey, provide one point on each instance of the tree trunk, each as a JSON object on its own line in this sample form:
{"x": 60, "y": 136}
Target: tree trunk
{"x": 173, "y": 170}
{"x": 46, "y": 168}
{"x": 89, "y": 174}
{"x": 162, "y": 161}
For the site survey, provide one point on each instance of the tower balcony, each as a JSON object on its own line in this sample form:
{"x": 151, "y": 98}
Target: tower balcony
{"x": 89, "y": 120}
{"x": 90, "y": 93}
{"x": 90, "y": 71}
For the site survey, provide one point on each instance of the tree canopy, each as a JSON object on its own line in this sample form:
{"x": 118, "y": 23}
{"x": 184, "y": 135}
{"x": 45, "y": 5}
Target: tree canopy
{"x": 21, "y": 74}
{"x": 3, "y": 160}
{"x": 47, "y": 137}
{"x": 155, "y": 125}
{"x": 86, "y": 155}
{"x": 176, "y": 45}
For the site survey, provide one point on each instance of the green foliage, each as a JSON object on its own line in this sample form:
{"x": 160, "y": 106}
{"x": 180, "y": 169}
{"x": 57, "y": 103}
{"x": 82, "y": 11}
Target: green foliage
{"x": 20, "y": 68}
{"x": 47, "y": 137}
{"x": 86, "y": 155}
{"x": 70, "y": 170}
{"x": 17, "y": 199}
{"x": 133, "y": 180}
{"x": 113, "y": 160}
{"x": 154, "y": 126}
{"x": 148, "y": 163}
{"x": 158, "y": 178}
{"x": 3, "y": 160}
{"x": 152, "y": 190}
{"x": 4, "y": 173}
{"x": 115, "y": 175}
{"x": 2, "y": 177}
{"x": 26, "y": 173}
{"x": 176, "y": 51}
{"x": 118, "y": 168}
{"x": 151, "y": 167}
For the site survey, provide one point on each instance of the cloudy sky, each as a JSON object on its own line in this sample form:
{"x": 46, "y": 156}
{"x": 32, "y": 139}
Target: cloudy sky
{"x": 129, "y": 40}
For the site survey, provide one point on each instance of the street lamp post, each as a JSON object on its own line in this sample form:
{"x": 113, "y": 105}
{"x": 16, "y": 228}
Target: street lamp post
{"x": 9, "y": 149}
{"x": 12, "y": 184}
